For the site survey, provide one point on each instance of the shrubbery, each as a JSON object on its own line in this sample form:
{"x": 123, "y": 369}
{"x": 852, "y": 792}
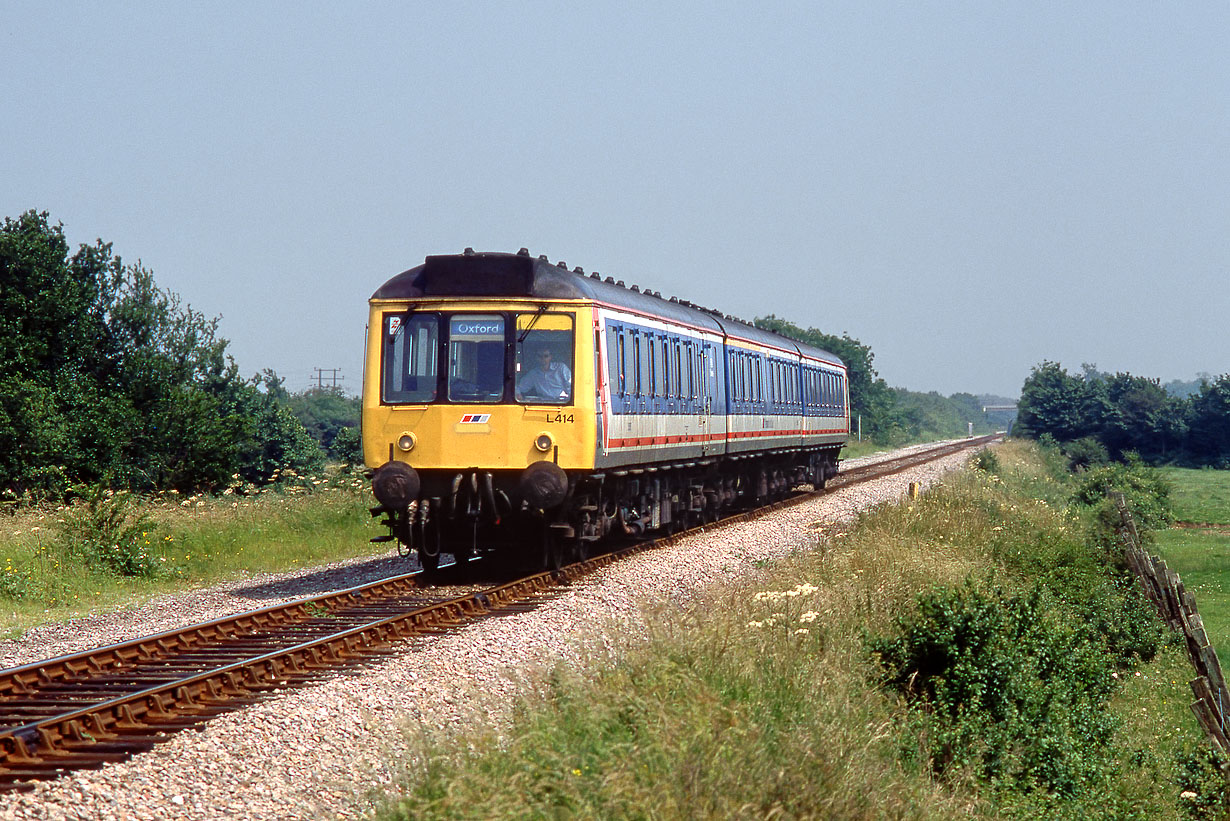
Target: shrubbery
{"x": 1010, "y": 683}
{"x": 108, "y": 376}
{"x": 110, "y": 531}
{"x": 1003, "y": 687}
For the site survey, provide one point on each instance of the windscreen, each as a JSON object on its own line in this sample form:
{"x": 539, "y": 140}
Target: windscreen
{"x": 544, "y": 358}
{"x": 476, "y": 358}
{"x": 411, "y": 351}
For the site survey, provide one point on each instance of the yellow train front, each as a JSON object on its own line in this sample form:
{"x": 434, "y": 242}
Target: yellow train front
{"x": 515, "y": 407}
{"x": 473, "y": 405}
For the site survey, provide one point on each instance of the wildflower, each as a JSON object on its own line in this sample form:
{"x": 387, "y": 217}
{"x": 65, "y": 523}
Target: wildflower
{"x": 802, "y": 631}
{"x": 755, "y": 624}
{"x": 809, "y": 617}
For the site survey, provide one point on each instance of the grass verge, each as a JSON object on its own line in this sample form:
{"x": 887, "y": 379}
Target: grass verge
{"x": 787, "y": 700}
{"x": 109, "y": 550}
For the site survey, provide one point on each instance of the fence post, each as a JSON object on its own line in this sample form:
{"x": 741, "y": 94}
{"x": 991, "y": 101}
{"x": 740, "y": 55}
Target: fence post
{"x": 1177, "y": 606}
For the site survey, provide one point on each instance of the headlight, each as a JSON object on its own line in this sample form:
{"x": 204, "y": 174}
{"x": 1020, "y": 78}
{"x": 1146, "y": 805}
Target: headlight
{"x": 543, "y": 442}
{"x": 406, "y": 441}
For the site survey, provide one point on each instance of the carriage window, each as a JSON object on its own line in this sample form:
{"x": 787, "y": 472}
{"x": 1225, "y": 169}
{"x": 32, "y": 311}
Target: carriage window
{"x": 689, "y": 389}
{"x": 679, "y": 373}
{"x": 636, "y": 346}
{"x": 543, "y": 359}
{"x": 653, "y": 367}
{"x": 476, "y": 358}
{"x": 666, "y": 367}
{"x": 623, "y": 372}
{"x": 411, "y": 351}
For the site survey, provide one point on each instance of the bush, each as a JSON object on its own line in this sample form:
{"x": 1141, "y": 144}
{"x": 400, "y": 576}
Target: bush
{"x": 1145, "y": 490}
{"x": 348, "y": 446}
{"x": 986, "y": 461}
{"x": 1000, "y": 686}
{"x": 1202, "y": 779}
{"x": 110, "y": 531}
{"x": 1086, "y": 452}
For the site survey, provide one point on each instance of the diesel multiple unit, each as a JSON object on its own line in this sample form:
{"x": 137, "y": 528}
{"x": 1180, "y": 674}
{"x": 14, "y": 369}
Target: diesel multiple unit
{"x": 513, "y": 406}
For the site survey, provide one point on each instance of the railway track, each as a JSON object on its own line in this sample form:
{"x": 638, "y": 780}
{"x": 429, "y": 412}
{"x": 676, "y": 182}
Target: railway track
{"x": 91, "y": 708}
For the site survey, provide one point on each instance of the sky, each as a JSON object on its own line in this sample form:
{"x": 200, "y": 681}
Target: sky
{"x": 969, "y": 188}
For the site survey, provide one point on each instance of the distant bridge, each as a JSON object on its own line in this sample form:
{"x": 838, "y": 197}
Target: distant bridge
{"x": 989, "y": 408}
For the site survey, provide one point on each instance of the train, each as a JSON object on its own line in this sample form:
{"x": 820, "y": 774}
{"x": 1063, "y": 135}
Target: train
{"x": 515, "y": 408}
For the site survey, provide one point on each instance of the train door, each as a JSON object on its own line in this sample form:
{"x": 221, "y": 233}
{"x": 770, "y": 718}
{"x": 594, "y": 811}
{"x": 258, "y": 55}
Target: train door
{"x": 714, "y": 408}
{"x": 697, "y": 395}
{"x": 613, "y": 394}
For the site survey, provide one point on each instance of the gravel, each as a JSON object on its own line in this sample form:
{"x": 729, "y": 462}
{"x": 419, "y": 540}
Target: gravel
{"x": 321, "y": 751}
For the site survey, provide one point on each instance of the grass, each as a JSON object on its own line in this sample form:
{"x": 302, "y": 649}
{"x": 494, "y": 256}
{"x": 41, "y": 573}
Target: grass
{"x": 1201, "y": 496}
{"x": 854, "y": 449}
{"x": 1201, "y": 556}
{"x": 185, "y": 542}
{"x": 762, "y": 701}
{"x": 48, "y": 574}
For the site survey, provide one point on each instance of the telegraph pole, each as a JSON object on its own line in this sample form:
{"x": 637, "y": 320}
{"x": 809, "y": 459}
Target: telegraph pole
{"x": 333, "y": 378}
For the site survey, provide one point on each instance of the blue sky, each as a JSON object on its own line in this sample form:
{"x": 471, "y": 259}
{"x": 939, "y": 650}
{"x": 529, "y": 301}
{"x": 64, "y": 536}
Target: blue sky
{"x": 968, "y": 188}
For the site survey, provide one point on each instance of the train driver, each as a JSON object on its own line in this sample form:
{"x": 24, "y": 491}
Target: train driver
{"x": 550, "y": 381}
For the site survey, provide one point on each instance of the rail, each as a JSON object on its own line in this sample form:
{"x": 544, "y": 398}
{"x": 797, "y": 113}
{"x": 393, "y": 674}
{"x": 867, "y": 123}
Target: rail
{"x": 97, "y": 706}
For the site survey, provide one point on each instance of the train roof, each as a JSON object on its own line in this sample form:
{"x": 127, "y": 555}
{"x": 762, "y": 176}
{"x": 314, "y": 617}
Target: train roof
{"x": 490, "y": 274}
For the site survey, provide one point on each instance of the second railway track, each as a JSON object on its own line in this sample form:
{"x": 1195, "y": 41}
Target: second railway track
{"x": 90, "y": 708}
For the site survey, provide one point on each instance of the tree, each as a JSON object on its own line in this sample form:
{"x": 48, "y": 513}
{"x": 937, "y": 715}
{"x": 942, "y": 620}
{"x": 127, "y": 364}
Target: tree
{"x": 109, "y": 378}
{"x": 870, "y": 397}
{"x": 1209, "y": 437}
{"x": 325, "y": 413}
{"x": 1054, "y": 402}
{"x": 1140, "y": 417}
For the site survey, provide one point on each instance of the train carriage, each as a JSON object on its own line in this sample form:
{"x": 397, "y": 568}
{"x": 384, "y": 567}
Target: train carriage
{"x": 513, "y": 406}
